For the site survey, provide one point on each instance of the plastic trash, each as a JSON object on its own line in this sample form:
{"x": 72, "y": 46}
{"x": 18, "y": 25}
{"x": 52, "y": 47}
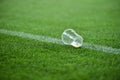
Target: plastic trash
{"x": 70, "y": 37}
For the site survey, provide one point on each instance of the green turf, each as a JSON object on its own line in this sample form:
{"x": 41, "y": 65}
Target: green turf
{"x": 98, "y": 21}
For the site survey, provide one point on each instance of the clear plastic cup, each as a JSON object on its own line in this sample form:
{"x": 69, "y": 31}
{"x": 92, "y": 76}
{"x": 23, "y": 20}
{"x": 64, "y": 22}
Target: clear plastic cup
{"x": 70, "y": 37}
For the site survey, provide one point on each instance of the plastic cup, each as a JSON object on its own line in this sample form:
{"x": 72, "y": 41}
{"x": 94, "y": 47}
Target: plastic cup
{"x": 70, "y": 37}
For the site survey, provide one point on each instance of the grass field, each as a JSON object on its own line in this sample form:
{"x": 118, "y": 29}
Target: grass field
{"x": 98, "y": 21}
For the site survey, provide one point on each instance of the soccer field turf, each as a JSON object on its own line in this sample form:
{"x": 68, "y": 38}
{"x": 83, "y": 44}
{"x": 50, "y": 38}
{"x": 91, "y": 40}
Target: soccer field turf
{"x": 97, "y": 21}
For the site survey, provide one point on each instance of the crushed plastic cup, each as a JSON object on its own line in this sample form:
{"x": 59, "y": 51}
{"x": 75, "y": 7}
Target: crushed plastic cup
{"x": 70, "y": 37}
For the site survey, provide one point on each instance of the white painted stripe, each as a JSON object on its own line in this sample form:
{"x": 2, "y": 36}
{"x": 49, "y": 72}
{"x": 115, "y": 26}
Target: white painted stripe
{"x": 31, "y": 36}
{"x": 58, "y": 41}
{"x": 102, "y": 48}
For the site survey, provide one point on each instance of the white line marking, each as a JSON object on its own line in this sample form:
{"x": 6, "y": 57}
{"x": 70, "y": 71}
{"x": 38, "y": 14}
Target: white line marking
{"x": 102, "y": 48}
{"x": 58, "y": 41}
